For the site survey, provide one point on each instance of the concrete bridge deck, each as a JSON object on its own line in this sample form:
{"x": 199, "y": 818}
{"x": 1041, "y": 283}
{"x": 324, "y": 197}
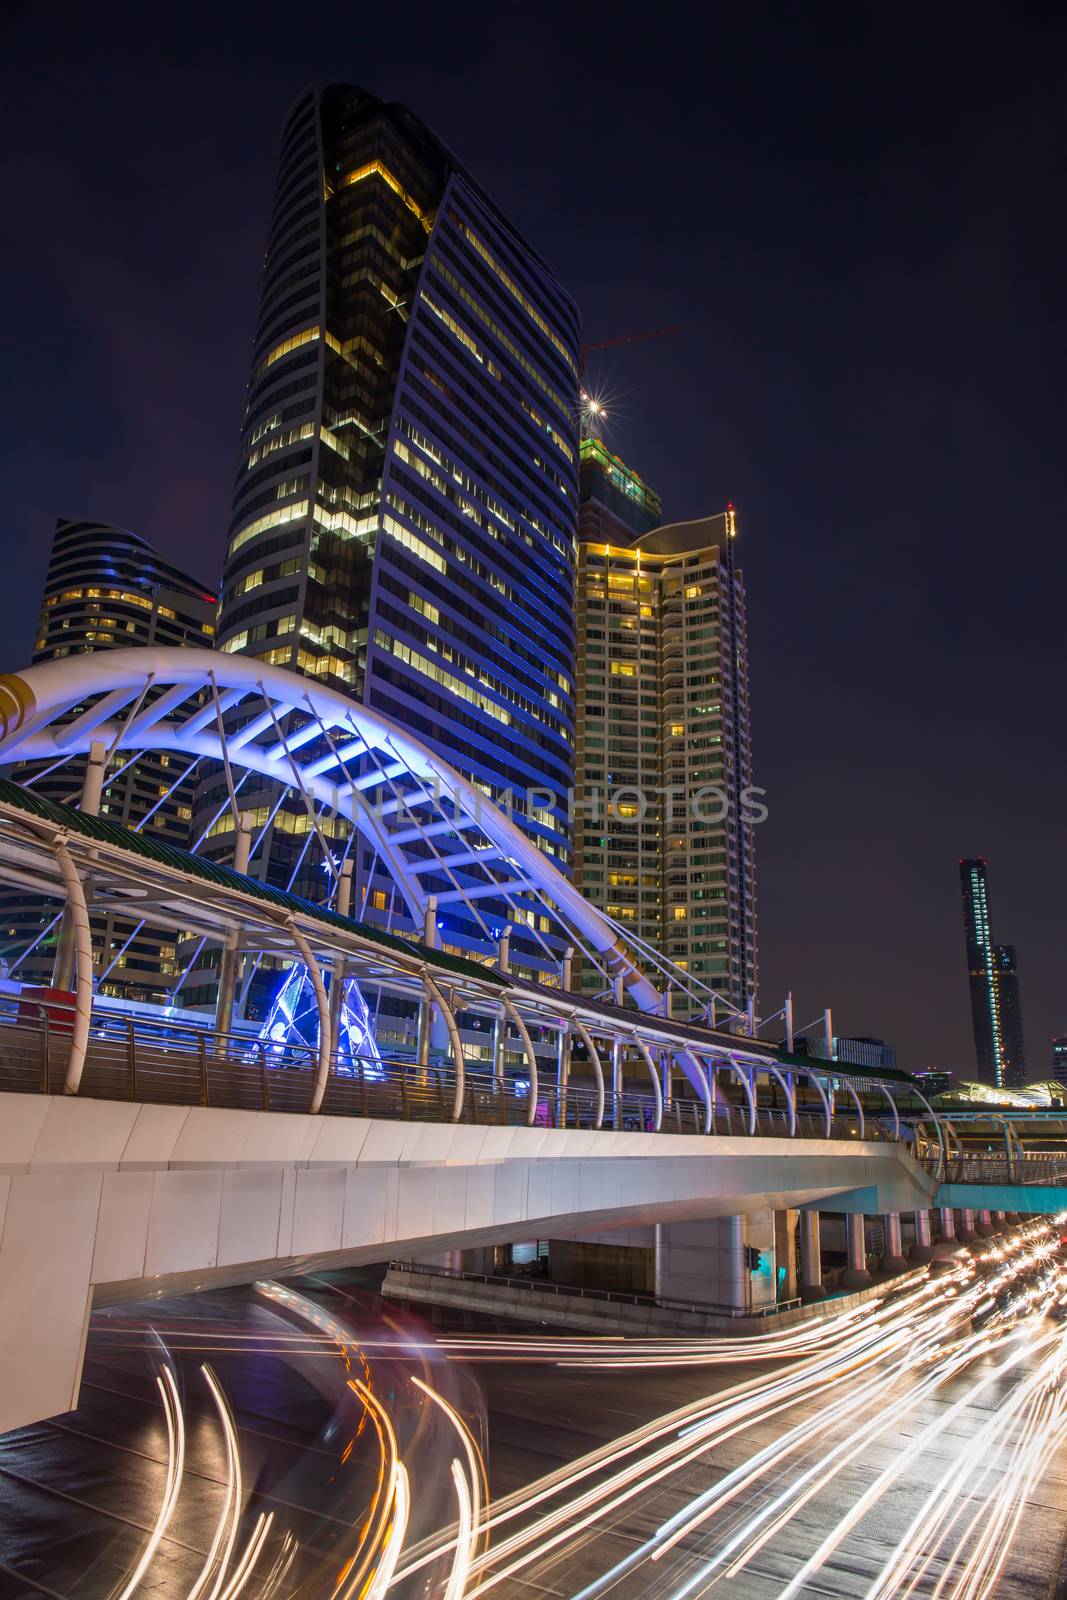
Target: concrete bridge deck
{"x": 106, "y": 1200}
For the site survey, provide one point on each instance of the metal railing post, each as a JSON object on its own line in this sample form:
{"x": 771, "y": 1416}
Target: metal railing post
{"x": 201, "y": 1045}
{"x": 131, "y": 1057}
{"x": 46, "y": 1040}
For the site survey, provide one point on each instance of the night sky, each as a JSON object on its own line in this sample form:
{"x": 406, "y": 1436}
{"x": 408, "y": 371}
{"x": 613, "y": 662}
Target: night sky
{"x": 854, "y": 214}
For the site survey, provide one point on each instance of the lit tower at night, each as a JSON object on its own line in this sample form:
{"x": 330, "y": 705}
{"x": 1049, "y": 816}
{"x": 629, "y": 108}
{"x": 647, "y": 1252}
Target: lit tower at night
{"x": 405, "y": 511}
{"x": 1011, "y": 1015}
{"x": 983, "y": 974}
{"x": 664, "y": 729}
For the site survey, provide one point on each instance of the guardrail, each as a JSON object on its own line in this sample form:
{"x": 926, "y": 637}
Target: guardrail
{"x": 169, "y": 1062}
{"x": 581, "y": 1292}
{"x": 1026, "y": 1168}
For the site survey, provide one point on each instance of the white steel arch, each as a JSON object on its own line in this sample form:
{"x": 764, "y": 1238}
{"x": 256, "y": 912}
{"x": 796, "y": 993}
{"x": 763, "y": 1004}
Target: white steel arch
{"x": 59, "y": 709}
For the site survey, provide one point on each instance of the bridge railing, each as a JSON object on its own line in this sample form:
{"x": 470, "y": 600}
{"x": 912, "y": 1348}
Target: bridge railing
{"x": 1020, "y": 1167}
{"x": 167, "y": 1061}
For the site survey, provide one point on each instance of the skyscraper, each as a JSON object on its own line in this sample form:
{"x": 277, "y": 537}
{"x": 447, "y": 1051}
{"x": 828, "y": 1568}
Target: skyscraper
{"x": 1059, "y": 1058}
{"x": 983, "y": 973}
{"x": 1011, "y": 1017}
{"x": 406, "y": 502}
{"x": 107, "y": 588}
{"x": 664, "y": 837}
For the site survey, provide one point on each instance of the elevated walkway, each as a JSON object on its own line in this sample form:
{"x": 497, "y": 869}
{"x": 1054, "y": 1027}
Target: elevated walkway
{"x": 105, "y": 1200}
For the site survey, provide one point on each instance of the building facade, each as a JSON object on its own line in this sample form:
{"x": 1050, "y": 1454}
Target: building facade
{"x": 105, "y": 589}
{"x": 1059, "y": 1058}
{"x": 664, "y": 825}
{"x": 405, "y": 507}
{"x": 983, "y": 974}
{"x": 865, "y": 1052}
{"x": 1013, "y": 1043}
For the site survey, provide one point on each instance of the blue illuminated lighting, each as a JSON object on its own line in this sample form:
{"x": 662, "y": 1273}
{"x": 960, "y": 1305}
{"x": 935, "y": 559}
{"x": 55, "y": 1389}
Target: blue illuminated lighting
{"x": 294, "y": 1020}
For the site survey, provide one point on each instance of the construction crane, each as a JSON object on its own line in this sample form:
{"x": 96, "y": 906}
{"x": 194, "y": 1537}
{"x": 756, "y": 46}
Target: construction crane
{"x": 593, "y": 408}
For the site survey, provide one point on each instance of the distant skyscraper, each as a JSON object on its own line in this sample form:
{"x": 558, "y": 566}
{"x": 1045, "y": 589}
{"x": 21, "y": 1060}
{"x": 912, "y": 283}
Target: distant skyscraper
{"x": 664, "y": 729}
{"x": 1011, "y": 1017}
{"x": 983, "y": 974}
{"x": 1059, "y": 1058}
{"x": 405, "y": 511}
{"x": 106, "y": 588}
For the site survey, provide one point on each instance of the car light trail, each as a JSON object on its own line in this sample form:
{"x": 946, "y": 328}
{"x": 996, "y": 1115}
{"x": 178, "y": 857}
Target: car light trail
{"x": 231, "y": 1507}
{"x": 867, "y": 1376}
{"x": 172, "y": 1411}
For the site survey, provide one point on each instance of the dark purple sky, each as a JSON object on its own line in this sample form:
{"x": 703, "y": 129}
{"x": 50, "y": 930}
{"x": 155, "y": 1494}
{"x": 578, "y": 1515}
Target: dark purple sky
{"x": 856, "y": 215}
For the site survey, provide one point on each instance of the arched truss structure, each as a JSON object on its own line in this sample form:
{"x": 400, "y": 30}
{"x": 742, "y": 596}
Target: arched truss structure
{"x": 425, "y": 822}
{"x": 428, "y": 825}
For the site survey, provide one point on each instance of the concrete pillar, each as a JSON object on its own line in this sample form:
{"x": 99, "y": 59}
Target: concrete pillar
{"x": 563, "y": 1073}
{"x": 616, "y": 1081}
{"x": 422, "y": 1032}
{"x": 922, "y": 1249}
{"x": 785, "y": 1254}
{"x": 726, "y": 1263}
{"x": 893, "y": 1258}
{"x": 948, "y": 1245}
{"x": 224, "y": 994}
{"x": 855, "y": 1275}
{"x": 965, "y": 1228}
{"x": 811, "y": 1284}
{"x": 984, "y": 1225}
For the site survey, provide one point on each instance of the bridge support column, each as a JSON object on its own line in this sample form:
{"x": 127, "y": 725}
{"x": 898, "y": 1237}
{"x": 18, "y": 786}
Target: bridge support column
{"x": 563, "y": 1073}
{"x": 224, "y": 996}
{"x": 785, "y": 1254}
{"x": 811, "y": 1284}
{"x": 948, "y": 1245}
{"x": 726, "y": 1263}
{"x": 617, "y": 1048}
{"x": 923, "y": 1248}
{"x": 893, "y": 1258}
{"x": 984, "y": 1226}
{"x": 855, "y": 1275}
{"x": 965, "y": 1228}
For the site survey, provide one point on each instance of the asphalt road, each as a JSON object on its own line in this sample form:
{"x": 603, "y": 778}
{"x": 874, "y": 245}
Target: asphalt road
{"x": 81, "y": 1494}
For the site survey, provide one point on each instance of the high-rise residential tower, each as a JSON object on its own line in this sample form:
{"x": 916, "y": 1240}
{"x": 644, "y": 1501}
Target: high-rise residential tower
{"x": 406, "y": 500}
{"x": 1011, "y": 1016}
{"x": 106, "y": 588}
{"x": 983, "y": 974}
{"x": 664, "y": 836}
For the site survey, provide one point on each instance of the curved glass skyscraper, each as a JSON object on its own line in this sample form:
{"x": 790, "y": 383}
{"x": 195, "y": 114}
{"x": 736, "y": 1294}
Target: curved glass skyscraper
{"x": 405, "y": 510}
